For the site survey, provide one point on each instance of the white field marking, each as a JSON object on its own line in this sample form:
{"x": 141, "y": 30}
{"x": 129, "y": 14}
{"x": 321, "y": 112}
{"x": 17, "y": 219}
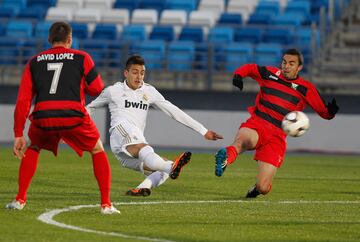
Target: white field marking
{"x": 47, "y": 217}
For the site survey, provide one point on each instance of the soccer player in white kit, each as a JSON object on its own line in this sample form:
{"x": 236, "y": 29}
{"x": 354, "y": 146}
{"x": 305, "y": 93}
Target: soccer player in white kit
{"x": 129, "y": 102}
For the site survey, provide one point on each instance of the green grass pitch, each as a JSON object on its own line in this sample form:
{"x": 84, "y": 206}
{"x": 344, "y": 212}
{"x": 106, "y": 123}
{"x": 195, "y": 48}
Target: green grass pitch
{"x": 314, "y": 198}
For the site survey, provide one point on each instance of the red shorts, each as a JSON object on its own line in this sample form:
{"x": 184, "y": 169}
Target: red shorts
{"x": 81, "y": 138}
{"x": 271, "y": 145}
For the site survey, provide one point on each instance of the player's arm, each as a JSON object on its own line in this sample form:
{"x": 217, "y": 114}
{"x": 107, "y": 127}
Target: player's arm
{"x": 93, "y": 82}
{"x": 23, "y": 103}
{"x": 102, "y": 100}
{"x": 180, "y": 116}
{"x": 317, "y": 103}
{"x": 22, "y": 109}
{"x": 247, "y": 70}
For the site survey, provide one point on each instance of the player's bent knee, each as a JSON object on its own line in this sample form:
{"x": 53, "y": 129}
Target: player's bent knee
{"x": 97, "y": 148}
{"x": 264, "y": 188}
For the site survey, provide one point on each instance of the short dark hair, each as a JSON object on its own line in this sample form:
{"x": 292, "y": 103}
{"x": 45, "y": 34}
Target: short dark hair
{"x": 134, "y": 60}
{"x": 59, "y": 32}
{"x": 297, "y": 53}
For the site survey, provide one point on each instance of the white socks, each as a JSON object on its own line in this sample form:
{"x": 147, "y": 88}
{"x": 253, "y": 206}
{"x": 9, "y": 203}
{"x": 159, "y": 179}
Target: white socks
{"x": 153, "y": 161}
{"x": 154, "y": 180}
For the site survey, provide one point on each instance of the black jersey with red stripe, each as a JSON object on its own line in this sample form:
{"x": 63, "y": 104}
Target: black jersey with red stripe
{"x": 279, "y": 96}
{"x": 58, "y": 80}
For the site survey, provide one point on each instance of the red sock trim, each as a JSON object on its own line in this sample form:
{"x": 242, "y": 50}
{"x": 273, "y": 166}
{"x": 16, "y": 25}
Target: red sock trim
{"x": 102, "y": 173}
{"x": 231, "y": 154}
{"x": 26, "y": 172}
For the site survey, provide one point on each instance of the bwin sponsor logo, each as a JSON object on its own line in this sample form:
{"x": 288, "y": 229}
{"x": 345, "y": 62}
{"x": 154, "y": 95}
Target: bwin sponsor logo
{"x": 139, "y": 105}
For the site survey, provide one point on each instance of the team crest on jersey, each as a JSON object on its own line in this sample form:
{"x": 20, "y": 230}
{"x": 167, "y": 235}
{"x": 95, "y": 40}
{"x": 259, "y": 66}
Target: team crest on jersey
{"x": 294, "y": 86}
{"x": 145, "y": 97}
{"x": 278, "y": 73}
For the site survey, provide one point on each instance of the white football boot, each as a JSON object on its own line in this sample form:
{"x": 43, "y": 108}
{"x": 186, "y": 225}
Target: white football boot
{"x": 16, "y": 205}
{"x": 109, "y": 210}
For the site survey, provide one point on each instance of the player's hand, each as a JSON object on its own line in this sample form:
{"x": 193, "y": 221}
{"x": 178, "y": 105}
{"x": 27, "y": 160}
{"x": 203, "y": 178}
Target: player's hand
{"x": 332, "y": 107}
{"x": 237, "y": 81}
{"x": 211, "y": 135}
{"x": 19, "y": 146}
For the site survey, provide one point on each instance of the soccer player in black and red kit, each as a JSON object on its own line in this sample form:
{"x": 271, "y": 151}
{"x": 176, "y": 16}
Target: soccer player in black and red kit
{"x": 281, "y": 91}
{"x": 58, "y": 79}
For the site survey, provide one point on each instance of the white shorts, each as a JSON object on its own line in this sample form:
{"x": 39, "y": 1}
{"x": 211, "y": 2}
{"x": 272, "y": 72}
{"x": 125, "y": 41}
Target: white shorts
{"x": 121, "y": 136}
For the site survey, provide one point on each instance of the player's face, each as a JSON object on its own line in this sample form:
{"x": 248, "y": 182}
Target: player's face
{"x": 290, "y": 66}
{"x": 135, "y": 76}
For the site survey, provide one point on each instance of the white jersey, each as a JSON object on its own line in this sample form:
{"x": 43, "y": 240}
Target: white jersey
{"x": 132, "y": 106}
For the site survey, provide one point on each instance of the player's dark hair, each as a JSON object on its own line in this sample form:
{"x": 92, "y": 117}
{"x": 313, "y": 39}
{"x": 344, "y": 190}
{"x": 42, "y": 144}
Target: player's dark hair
{"x": 134, "y": 60}
{"x": 59, "y": 32}
{"x": 297, "y": 53}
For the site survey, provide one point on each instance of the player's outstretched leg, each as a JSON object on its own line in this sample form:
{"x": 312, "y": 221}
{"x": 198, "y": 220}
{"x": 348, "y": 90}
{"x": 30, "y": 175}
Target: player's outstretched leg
{"x": 179, "y": 163}
{"x": 139, "y": 192}
{"x": 220, "y": 162}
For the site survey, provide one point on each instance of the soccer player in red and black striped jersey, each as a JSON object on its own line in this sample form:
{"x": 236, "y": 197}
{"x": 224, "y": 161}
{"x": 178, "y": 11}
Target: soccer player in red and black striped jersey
{"x": 281, "y": 91}
{"x": 58, "y": 79}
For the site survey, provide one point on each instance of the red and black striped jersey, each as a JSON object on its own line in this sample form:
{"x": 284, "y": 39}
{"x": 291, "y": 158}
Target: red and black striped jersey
{"x": 279, "y": 96}
{"x": 58, "y": 79}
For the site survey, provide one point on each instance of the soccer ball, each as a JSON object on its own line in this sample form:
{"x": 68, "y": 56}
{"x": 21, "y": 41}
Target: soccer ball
{"x": 295, "y": 123}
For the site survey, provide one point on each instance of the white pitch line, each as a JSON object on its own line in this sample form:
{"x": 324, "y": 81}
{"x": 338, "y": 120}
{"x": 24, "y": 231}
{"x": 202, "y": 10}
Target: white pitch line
{"x": 47, "y": 217}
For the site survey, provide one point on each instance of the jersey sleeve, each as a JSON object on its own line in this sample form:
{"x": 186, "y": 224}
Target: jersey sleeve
{"x": 23, "y": 103}
{"x": 102, "y": 100}
{"x": 93, "y": 82}
{"x": 176, "y": 113}
{"x": 317, "y": 103}
{"x": 248, "y": 70}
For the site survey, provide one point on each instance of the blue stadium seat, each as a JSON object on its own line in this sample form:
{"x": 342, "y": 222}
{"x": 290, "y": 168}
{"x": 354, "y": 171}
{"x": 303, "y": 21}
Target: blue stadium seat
{"x": 281, "y": 36}
{"x": 159, "y": 5}
{"x": 117, "y": 53}
{"x": 237, "y": 54}
{"x": 134, "y": 33}
{"x": 232, "y": 19}
{"x": 270, "y": 8}
{"x": 105, "y": 31}
{"x": 97, "y": 49}
{"x": 8, "y": 12}
{"x": 286, "y": 19}
{"x": 10, "y": 50}
{"x": 248, "y": 34}
{"x": 195, "y": 34}
{"x": 80, "y": 30}
{"x": 18, "y": 4}
{"x": 33, "y": 13}
{"x": 202, "y": 59}
{"x": 267, "y": 54}
{"x": 30, "y": 48}
{"x": 221, "y": 35}
{"x": 181, "y": 55}
{"x": 42, "y": 29}
{"x": 303, "y": 37}
{"x": 187, "y": 5}
{"x": 153, "y": 51}
{"x": 41, "y": 3}
{"x": 162, "y": 32}
{"x": 128, "y": 4}
{"x": 259, "y": 19}
{"x": 2, "y": 29}
{"x": 19, "y": 29}
{"x": 297, "y": 7}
